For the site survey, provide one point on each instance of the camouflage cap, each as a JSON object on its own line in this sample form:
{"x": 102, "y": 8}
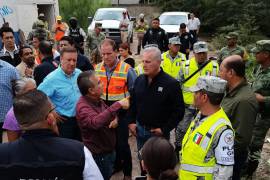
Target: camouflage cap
{"x": 98, "y": 25}
{"x": 175, "y": 40}
{"x": 262, "y": 45}
{"x": 231, "y": 35}
{"x": 200, "y": 46}
{"x": 210, "y": 84}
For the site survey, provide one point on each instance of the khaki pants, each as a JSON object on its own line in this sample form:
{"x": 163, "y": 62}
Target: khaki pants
{"x": 124, "y": 36}
{"x": 140, "y": 38}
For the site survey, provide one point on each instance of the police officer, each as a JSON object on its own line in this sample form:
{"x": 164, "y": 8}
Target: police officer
{"x": 232, "y": 48}
{"x": 187, "y": 40}
{"x": 200, "y": 64}
{"x": 156, "y": 35}
{"x": 261, "y": 87}
{"x": 207, "y": 151}
{"x": 172, "y": 59}
{"x": 77, "y": 33}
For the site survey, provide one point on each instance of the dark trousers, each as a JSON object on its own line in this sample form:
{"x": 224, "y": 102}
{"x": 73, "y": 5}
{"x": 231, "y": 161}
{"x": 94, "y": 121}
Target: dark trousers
{"x": 123, "y": 153}
{"x": 69, "y": 128}
{"x": 1, "y": 132}
{"x": 240, "y": 158}
{"x": 105, "y": 164}
{"x": 195, "y": 36}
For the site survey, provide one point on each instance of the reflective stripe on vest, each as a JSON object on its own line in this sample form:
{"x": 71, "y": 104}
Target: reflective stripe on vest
{"x": 197, "y": 169}
{"x": 209, "y": 134}
{"x": 114, "y": 88}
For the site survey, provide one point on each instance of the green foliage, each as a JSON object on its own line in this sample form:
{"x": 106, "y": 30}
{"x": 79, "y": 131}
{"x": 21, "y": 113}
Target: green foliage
{"x": 81, "y": 9}
{"x": 251, "y": 15}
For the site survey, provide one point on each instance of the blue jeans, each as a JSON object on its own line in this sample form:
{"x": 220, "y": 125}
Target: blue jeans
{"x": 144, "y": 134}
{"x": 105, "y": 164}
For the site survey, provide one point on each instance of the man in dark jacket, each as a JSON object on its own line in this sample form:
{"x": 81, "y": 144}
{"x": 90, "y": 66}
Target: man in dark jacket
{"x": 47, "y": 63}
{"x": 187, "y": 40}
{"x": 157, "y": 103}
{"x": 156, "y": 35}
{"x": 39, "y": 153}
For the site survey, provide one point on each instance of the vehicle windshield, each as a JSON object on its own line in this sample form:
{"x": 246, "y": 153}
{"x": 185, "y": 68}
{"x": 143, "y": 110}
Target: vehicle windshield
{"x": 108, "y": 15}
{"x": 172, "y": 19}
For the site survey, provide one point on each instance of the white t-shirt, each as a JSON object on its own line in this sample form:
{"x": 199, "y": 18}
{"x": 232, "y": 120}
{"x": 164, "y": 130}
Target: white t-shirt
{"x": 193, "y": 24}
{"x": 91, "y": 170}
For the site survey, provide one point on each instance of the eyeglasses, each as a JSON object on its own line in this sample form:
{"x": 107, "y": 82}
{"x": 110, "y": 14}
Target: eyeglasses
{"x": 50, "y": 112}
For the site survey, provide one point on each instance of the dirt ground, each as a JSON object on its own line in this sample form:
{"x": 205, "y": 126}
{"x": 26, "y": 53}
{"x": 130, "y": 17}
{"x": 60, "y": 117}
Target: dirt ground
{"x": 263, "y": 171}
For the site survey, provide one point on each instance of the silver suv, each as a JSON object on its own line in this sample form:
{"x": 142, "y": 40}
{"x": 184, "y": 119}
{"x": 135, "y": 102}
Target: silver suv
{"x": 110, "y": 19}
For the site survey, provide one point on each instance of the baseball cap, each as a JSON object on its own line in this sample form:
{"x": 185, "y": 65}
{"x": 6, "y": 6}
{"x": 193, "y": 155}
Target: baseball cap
{"x": 231, "y": 35}
{"x": 200, "y": 46}
{"x": 58, "y": 18}
{"x": 262, "y": 45}
{"x": 210, "y": 84}
{"x": 174, "y": 40}
{"x": 98, "y": 25}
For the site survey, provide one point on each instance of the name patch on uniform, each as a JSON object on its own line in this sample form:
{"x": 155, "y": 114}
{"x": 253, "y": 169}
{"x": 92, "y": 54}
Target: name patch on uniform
{"x": 160, "y": 89}
{"x": 197, "y": 138}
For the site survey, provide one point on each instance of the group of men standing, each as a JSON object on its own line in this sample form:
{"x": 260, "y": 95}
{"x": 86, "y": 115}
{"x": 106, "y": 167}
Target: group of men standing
{"x": 219, "y": 121}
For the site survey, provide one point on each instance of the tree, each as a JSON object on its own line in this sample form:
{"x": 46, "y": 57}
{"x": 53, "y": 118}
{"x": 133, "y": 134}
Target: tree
{"x": 81, "y": 9}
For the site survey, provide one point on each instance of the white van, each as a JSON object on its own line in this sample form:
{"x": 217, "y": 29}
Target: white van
{"x": 170, "y": 21}
{"x": 110, "y": 19}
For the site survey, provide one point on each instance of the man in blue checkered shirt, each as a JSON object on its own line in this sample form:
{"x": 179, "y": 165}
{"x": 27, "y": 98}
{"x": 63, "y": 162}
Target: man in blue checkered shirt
{"x": 8, "y": 73}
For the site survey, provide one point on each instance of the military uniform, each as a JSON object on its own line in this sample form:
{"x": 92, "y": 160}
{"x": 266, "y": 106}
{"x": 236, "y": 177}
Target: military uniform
{"x": 237, "y": 50}
{"x": 262, "y": 86}
{"x": 93, "y": 40}
{"x": 207, "y": 151}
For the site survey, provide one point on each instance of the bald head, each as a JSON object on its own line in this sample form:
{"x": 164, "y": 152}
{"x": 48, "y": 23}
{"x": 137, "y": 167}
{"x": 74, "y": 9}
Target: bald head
{"x": 236, "y": 63}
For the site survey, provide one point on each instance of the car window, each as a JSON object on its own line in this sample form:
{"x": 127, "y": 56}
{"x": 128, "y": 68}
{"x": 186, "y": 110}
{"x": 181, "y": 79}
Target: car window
{"x": 172, "y": 19}
{"x": 108, "y": 15}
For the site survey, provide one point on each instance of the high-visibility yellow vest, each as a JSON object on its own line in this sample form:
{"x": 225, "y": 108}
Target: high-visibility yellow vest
{"x": 172, "y": 66}
{"x": 116, "y": 88}
{"x": 189, "y": 67}
{"x": 139, "y": 69}
{"x": 196, "y": 145}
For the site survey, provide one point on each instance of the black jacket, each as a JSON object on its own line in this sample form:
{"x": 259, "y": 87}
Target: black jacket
{"x": 40, "y": 154}
{"x": 187, "y": 40}
{"x": 158, "y": 105}
{"x": 46, "y": 67}
{"x": 83, "y": 62}
{"x": 156, "y": 36}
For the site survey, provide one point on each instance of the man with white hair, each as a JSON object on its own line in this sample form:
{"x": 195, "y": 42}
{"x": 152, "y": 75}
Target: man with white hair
{"x": 156, "y": 100}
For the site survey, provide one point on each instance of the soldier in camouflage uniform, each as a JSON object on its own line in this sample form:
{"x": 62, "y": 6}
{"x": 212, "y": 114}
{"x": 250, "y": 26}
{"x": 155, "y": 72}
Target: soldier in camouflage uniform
{"x": 40, "y": 31}
{"x": 93, "y": 40}
{"x": 261, "y": 87}
{"x": 232, "y": 48}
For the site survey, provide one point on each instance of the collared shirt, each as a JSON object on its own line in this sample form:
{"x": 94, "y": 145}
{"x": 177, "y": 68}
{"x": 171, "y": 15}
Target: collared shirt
{"x": 12, "y": 58}
{"x": 241, "y": 107}
{"x": 62, "y": 90}
{"x": 94, "y": 119}
{"x": 261, "y": 85}
{"x": 7, "y": 74}
{"x": 158, "y": 104}
{"x": 124, "y": 23}
{"x": 22, "y": 67}
{"x": 194, "y": 24}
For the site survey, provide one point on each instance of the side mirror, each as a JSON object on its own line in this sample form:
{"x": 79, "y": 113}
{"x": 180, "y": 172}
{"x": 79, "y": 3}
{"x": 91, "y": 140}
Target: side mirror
{"x": 90, "y": 19}
{"x": 133, "y": 18}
